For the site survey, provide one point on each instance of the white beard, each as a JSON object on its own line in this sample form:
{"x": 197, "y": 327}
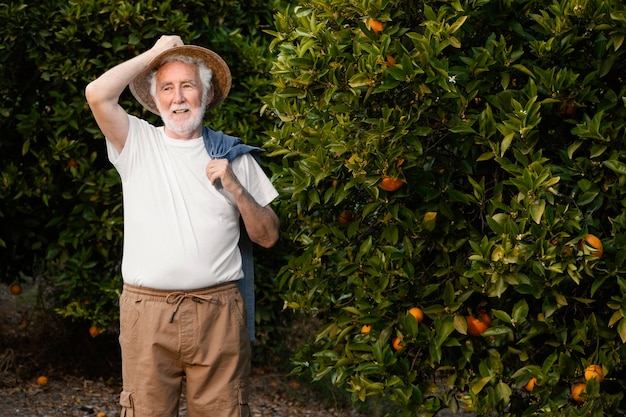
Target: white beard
{"x": 182, "y": 123}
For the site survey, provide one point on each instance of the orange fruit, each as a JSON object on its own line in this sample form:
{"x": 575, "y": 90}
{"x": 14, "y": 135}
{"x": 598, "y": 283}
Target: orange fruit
{"x": 530, "y": 385}
{"x": 577, "y": 391}
{"x": 94, "y": 331}
{"x": 594, "y": 371}
{"x": 101, "y": 414}
{"x": 366, "y": 328}
{"x": 390, "y": 184}
{"x": 397, "y": 344}
{"x": 42, "y": 380}
{"x": 417, "y": 313}
{"x": 567, "y": 108}
{"x": 375, "y": 25}
{"x": 485, "y": 318}
{"x": 346, "y": 217}
{"x": 595, "y": 243}
{"x": 475, "y": 326}
{"x": 16, "y": 288}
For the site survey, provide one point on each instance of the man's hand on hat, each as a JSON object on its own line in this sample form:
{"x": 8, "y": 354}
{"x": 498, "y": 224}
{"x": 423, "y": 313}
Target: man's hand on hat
{"x": 166, "y": 42}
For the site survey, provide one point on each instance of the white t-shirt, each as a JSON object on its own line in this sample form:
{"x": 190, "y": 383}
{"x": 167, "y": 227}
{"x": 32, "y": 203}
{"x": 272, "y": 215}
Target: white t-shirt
{"x": 180, "y": 232}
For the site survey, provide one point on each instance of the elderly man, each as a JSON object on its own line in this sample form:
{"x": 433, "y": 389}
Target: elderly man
{"x": 186, "y": 191}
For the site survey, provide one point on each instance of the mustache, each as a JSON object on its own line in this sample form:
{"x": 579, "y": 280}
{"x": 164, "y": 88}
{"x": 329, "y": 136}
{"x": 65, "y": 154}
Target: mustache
{"x": 179, "y": 109}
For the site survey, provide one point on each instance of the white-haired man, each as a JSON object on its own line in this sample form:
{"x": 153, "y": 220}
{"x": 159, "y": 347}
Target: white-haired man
{"x": 186, "y": 190}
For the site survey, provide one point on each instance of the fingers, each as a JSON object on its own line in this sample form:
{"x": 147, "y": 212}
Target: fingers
{"x": 168, "y": 41}
{"x": 220, "y": 173}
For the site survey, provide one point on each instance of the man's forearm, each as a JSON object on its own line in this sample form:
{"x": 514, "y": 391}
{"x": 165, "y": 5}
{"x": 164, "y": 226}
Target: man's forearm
{"x": 110, "y": 85}
{"x": 262, "y": 224}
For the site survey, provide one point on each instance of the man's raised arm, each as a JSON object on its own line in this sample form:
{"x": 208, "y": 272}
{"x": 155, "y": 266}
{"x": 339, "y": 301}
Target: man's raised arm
{"x": 103, "y": 94}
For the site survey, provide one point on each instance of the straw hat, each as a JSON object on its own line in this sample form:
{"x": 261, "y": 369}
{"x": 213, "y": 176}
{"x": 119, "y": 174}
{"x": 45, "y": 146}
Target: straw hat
{"x": 140, "y": 86}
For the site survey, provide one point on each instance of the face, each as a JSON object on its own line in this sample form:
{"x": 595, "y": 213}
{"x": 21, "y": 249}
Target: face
{"x": 180, "y": 99}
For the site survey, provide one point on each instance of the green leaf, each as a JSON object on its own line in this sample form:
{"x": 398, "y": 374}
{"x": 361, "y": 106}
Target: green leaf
{"x": 444, "y": 326}
{"x": 520, "y": 311}
{"x": 478, "y": 385}
{"x": 523, "y": 69}
{"x": 621, "y": 329}
{"x": 359, "y": 80}
{"x": 537, "y": 208}
{"x": 503, "y": 393}
{"x": 616, "y": 166}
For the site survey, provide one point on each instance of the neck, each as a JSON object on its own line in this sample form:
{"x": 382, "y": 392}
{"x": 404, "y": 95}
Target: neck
{"x": 186, "y": 135}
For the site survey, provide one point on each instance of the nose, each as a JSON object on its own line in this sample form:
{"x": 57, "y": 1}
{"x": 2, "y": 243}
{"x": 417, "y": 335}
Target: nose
{"x": 179, "y": 97}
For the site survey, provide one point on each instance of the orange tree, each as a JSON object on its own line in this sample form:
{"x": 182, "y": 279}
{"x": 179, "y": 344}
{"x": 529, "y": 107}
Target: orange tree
{"x": 479, "y": 149}
{"x": 60, "y": 211}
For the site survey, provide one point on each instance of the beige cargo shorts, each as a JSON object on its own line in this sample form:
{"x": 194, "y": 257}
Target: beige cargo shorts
{"x": 200, "y": 334}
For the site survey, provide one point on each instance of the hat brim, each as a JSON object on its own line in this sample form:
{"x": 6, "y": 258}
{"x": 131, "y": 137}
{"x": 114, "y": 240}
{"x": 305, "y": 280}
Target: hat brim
{"x": 140, "y": 86}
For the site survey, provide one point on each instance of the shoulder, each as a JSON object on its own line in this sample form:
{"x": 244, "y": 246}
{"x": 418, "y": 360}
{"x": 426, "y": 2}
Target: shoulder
{"x": 142, "y": 130}
{"x": 140, "y": 124}
{"x": 248, "y": 161}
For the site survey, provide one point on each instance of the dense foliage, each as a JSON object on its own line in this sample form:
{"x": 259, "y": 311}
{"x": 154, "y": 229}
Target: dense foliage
{"x": 452, "y": 176}
{"x": 466, "y": 158}
{"x": 61, "y": 215}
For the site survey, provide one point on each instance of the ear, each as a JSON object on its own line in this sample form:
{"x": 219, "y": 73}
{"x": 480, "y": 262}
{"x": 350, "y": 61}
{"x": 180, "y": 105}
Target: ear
{"x": 210, "y": 94}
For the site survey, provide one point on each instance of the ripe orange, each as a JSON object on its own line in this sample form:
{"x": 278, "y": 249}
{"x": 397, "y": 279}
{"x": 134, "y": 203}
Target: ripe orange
{"x": 567, "y": 108}
{"x": 15, "y": 288}
{"x": 475, "y": 326}
{"x": 366, "y": 328}
{"x": 530, "y": 385}
{"x": 42, "y": 380}
{"x": 390, "y": 184}
{"x": 375, "y": 25}
{"x": 417, "y": 313}
{"x": 397, "y": 344}
{"x": 577, "y": 391}
{"x": 94, "y": 331}
{"x": 101, "y": 414}
{"x": 485, "y": 318}
{"x": 595, "y": 243}
{"x": 594, "y": 371}
{"x": 346, "y": 217}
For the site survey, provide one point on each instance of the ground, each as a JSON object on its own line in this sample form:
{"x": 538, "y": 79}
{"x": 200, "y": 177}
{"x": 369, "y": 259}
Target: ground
{"x": 273, "y": 395}
{"x": 83, "y": 372}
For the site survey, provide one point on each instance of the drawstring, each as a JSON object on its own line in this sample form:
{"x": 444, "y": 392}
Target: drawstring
{"x": 178, "y": 297}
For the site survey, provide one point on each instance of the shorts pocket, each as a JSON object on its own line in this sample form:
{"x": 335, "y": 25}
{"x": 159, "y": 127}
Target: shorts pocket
{"x": 238, "y": 308}
{"x": 126, "y": 401}
{"x": 243, "y": 393}
{"x": 129, "y": 315}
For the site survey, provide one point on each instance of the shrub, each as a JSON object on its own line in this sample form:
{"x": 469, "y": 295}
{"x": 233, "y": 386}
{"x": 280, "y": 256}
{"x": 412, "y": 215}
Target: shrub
{"x": 61, "y": 217}
{"x": 503, "y": 122}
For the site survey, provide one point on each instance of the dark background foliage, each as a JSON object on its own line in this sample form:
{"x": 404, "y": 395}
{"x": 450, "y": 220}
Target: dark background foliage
{"x": 60, "y": 213}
